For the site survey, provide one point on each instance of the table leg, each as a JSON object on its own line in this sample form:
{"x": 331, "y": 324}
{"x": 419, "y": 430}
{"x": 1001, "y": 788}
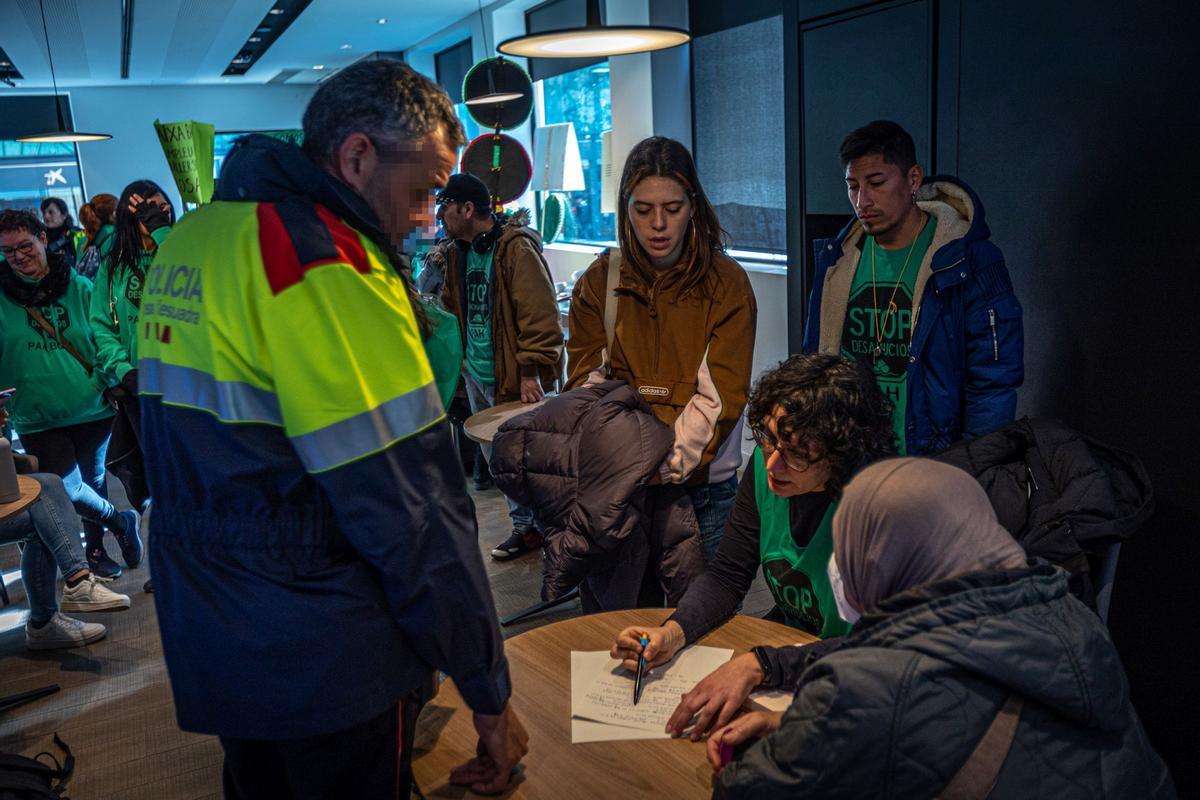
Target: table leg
{"x": 538, "y": 608}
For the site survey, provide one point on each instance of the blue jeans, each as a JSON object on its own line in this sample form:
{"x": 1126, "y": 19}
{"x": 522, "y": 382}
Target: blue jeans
{"x": 49, "y": 533}
{"x": 482, "y": 395}
{"x": 712, "y": 504}
{"x": 76, "y": 454}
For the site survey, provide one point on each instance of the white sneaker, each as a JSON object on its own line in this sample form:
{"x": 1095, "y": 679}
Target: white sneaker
{"x": 63, "y": 631}
{"x": 92, "y": 595}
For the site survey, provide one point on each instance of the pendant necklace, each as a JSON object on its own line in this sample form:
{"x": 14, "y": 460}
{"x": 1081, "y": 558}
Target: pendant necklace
{"x": 891, "y": 306}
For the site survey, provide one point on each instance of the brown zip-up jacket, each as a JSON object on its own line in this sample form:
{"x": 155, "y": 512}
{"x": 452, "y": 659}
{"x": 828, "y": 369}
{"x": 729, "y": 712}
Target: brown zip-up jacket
{"x": 526, "y": 334}
{"x": 689, "y": 358}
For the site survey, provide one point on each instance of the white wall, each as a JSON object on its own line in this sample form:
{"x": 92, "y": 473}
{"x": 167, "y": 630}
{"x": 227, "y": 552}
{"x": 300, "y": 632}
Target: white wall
{"x": 129, "y": 113}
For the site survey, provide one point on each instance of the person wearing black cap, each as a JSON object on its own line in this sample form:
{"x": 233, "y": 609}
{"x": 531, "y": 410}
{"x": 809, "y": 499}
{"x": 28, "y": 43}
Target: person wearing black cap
{"x": 499, "y": 285}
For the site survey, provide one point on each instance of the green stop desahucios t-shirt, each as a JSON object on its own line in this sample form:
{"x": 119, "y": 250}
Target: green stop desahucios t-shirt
{"x": 881, "y": 333}
{"x": 797, "y": 576}
{"x": 53, "y": 389}
{"x": 481, "y": 353}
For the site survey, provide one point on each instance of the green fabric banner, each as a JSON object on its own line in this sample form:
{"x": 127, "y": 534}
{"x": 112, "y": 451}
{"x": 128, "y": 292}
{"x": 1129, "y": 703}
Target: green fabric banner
{"x": 188, "y": 147}
{"x": 292, "y": 135}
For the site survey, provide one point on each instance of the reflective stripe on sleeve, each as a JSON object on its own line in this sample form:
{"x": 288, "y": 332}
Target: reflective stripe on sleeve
{"x": 230, "y": 401}
{"x": 371, "y": 431}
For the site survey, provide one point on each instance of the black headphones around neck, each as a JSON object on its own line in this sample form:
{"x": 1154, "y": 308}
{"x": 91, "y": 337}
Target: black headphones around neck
{"x": 487, "y": 240}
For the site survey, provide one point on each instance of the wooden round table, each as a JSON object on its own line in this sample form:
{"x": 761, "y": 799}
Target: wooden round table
{"x": 30, "y": 491}
{"x": 540, "y": 664}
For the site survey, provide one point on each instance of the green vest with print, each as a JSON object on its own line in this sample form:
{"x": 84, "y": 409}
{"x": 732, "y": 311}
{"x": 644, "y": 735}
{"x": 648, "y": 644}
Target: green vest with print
{"x": 796, "y": 575}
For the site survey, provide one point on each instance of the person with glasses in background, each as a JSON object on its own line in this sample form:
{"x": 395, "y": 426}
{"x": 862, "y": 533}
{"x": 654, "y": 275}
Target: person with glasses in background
{"x": 817, "y": 419}
{"x": 48, "y": 353}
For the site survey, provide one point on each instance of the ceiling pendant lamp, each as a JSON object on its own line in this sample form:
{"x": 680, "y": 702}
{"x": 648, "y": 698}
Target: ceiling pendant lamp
{"x": 62, "y": 133}
{"x": 595, "y": 40}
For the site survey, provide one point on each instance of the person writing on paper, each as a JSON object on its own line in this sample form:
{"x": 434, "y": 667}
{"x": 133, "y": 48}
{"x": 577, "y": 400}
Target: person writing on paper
{"x": 960, "y": 647}
{"x": 682, "y": 318}
{"x": 818, "y": 419}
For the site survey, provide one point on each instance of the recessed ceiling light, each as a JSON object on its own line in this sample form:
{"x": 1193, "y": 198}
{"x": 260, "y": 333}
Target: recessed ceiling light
{"x": 318, "y": 66}
{"x": 254, "y": 39}
{"x": 382, "y": 20}
{"x": 345, "y": 47}
{"x": 275, "y": 11}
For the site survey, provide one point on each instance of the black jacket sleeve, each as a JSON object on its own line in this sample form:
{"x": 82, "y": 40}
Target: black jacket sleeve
{"x": 715, "y": 595}
{"x": 407, "y": 513}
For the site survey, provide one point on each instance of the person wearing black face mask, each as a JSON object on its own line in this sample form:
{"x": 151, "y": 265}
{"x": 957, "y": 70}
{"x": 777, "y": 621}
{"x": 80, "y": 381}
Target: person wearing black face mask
{"x": 499, "y": 285}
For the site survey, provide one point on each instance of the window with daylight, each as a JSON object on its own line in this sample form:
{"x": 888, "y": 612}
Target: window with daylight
{"x": 224, "y": 140}
{"x": 30, "y": 172}
{"x": 581, "y": 97}
{"x": 738, "y": 131}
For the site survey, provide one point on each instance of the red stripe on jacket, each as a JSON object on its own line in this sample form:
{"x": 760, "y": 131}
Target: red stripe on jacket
{"x": 279, "y": 255}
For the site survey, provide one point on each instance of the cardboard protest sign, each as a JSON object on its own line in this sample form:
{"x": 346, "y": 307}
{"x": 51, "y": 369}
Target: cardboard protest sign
{"x": 188, "y": 147}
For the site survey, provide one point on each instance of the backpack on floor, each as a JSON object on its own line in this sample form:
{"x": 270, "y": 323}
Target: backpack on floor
{"x": 23, "y": 778}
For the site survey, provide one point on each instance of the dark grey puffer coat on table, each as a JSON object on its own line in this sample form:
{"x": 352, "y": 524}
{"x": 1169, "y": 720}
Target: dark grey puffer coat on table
{"x": 583, "y": 462}
{"x": 896, "y": 711}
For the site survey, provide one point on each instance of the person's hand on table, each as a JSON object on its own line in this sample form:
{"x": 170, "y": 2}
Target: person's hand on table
{"x": 716, "y": 698}
{"x": 531, "y": 390}
{"x": 664, "y": 643}
{"x": 503, "y": 742}
{"x": 754, "y": 725}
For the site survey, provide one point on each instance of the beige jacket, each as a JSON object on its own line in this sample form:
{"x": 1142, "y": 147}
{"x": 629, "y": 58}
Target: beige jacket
{"x": 689, "y": 358}
{"x": 526, "y": 334}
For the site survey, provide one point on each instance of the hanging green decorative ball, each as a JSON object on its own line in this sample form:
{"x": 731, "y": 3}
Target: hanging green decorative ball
{"x": 554, "y": 213}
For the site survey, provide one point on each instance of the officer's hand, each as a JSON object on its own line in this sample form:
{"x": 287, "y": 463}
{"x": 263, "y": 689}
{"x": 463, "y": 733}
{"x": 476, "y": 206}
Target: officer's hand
{"x": 503, "y": 742}
{"x": 531, "y": 390}
{"x": 754, "y": 725}
{"x": 3, "y": 417}
{"x": 664, "y": 643}
{"x": 716, "y": 698}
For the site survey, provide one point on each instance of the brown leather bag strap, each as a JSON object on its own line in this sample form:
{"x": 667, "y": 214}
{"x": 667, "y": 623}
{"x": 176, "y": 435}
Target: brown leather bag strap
{"x": 976, "y": 778}
{"x": 47, "y": 328}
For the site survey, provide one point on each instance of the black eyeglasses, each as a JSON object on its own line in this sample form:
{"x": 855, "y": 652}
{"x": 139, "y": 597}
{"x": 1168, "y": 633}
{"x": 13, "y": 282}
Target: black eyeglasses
{"x": 791, "y": 459}
{"x": 24, "y": 248}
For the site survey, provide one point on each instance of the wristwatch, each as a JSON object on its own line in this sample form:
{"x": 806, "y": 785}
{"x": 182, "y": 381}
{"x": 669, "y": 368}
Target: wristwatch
{"x": 764, "y": 662}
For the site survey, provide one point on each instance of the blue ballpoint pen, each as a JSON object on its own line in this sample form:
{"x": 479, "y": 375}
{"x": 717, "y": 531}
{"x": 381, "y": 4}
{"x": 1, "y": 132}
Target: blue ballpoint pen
{"x": 637, "y": 680}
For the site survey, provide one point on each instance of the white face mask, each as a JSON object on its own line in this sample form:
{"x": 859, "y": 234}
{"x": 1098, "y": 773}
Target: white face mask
{"x": 845, "y": 611}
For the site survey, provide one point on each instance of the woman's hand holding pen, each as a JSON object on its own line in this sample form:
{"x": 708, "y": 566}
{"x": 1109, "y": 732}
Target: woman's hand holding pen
{"x": 665, "y": 642}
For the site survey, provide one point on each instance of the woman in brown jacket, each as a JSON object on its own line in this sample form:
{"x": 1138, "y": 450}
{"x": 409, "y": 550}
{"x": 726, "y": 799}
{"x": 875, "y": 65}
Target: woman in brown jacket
{"x": 674, "y": 317}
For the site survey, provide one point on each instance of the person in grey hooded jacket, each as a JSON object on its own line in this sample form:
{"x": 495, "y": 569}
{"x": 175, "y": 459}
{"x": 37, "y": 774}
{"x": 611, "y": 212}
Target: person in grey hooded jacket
{"x": 954, "y": 637}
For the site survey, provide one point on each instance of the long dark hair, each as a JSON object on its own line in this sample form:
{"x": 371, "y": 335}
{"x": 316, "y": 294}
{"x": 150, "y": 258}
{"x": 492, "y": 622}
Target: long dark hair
{"x": 61, "y": 205}
{"x": 127, "y": 244}
{"x": 836, "y": 407}
{"x": 660, "y": 157}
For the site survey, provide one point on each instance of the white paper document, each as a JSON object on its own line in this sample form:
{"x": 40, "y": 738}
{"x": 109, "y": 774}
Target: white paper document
{"x": 602, "y": 706}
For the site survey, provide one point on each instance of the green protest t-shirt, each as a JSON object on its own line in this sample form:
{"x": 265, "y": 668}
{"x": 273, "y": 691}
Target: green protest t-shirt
{"x": 797, "y": 576}
{"x": 481, "y": 353}
{"x": 882, "y": 333}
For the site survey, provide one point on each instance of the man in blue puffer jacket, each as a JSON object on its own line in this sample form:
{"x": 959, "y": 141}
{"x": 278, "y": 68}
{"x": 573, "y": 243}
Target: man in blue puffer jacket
{"x": 914, "y": 284}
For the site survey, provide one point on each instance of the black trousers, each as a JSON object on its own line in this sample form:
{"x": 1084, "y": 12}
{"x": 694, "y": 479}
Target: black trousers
{"x": 371, "y": 761}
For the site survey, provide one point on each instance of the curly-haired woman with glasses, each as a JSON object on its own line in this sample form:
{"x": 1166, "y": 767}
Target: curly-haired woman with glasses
{"x": 817, "y": 420}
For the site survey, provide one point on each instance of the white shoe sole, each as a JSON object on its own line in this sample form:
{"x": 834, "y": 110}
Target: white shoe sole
{"x": 59, "y": 644}
{"x": 66, "y": 605}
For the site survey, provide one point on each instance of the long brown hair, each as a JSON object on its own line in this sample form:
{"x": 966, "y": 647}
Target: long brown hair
{"x": 97, "y": 213}
{"x": 660, "y": 157}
